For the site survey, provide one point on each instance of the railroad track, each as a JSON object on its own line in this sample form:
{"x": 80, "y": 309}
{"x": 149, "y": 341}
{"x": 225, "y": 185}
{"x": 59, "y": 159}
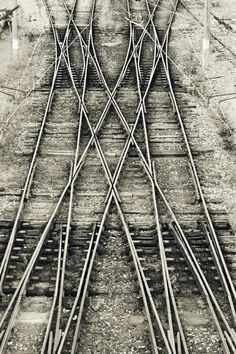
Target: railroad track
{"x": 206, "y": 235}
{"x": 85, "y": 227}
{"x": 52, "y": 147}
{"x": 220, "y": 44}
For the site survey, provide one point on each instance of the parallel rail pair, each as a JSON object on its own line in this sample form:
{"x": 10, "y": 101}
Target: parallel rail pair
{"x": 174, "y": 341}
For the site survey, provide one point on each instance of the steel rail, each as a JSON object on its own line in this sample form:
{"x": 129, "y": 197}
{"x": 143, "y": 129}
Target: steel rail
{"x": 111, "y": 99}
{"x": 169, "y": 295}
{"x": 147, "y": 289}
{"x": 162, "y": 45}
{"x": 206, "y": 285}
{"x": 140, "y": 49}
{"x": 142, "y": 284}
{"x": 168, "y": 77}
{"x": 214, "y": 245}
{"x": 25, "y": 191}
{"x": 84, "y": 109}
{"x": 108, "y": 174}
{"x": 28, "y": 183}
{"x": 132, "y": 129}
{"x": 153, "y": 305}
{"x": 218, "y": 308}
{"x": 112, "y": 195}
{"x": 124, "y": 227}
{"x": 22, "y": 283}
{"x": 111, "y": 95}
{"x": 85, "y": 284}
{"x": 170, "y": 320}
{"x": 84, "y": 276}
{"x": 115, "y": 195}
{"x": 128, "y": 59}
{"x": 53, "y": 215}
{"x": 196, "y": 270}
{"x": 103, "y": 163}
{"x": 60, "y": 291}
{"x": 58, "y": 322}
{"x": 192, "y": 265}
{"x": 216, "y": 250}
{"x": 167, "y": 68}
{"x": 158, "y": 188}
{"x": 211, "y": 32}
{"x": 140, "y": 271}
{"x": 20, "y": 289}
{"x": 60, "y": 349}
{"x": 50, "y": 338}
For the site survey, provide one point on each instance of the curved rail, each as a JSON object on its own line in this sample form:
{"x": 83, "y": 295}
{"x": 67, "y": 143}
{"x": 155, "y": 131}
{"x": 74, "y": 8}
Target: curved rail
{"x": 111, "y": 193}
{"x": 212, "y": 237}
{"x": 108, "y": 174}
{"x": 213, "y": 242}
{"x": 75, "y": 305}
{"x": 178, "y": 338}
{"x": 108, "y": 197}
{"x": 52, "y": 336}
{"x": 27, "y": 185}
{"x": 17, "y": 299}
{"x": 211, "y": 32}
{"x": 139, "y": 269}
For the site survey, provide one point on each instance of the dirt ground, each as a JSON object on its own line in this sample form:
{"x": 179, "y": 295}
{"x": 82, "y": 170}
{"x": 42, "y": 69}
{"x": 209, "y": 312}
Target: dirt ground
{"x": 213, "y": 87}
{"x": 24, "y": 68}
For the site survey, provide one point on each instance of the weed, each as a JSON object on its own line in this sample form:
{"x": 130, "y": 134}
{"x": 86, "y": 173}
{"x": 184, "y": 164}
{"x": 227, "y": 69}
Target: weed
{"x": 228, "y": 139}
